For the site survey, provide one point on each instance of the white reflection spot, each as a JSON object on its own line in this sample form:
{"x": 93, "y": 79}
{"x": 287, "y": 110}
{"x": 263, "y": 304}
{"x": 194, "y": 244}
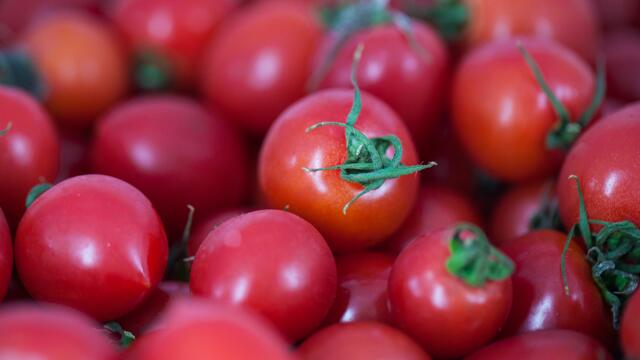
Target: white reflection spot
{"x": 291, "y": 277}
{"x": 87, "y": 255}
{"x": 610, "y": 184}
{"x": 160, "y": 25}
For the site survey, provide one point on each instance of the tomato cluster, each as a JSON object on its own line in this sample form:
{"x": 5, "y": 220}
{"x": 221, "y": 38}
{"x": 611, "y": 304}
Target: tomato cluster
{"x": 320, "y": 179}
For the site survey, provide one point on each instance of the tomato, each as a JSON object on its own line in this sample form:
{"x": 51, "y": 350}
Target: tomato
{"x": 170, "y": 32}
{"x": 617, "y": 13}
{"x": 42, "y": 331}
{"x": 501, "y": 114}
{"x": 6, "y": 256}
{"x": 437, "y": 207}
{"x": 446, "y": 314}
{"x": 93, "y": 243}
{"x": 205, "y": 226}
{"x": 77, "y": 41}
{"x": 360, "y": 340}
{"x": 259, "y": 62}
{"x": 196, "y": 329}
{"x": 29, "y": 151}
{"x": 605, "y": 159}
{"x": 548, "y": 344}
{"x": 630, "y": 327}
{"x": 622, "y": 51}
{"x": 320, "y": 196}
{"x": 362, "y": 288}
{"x": 270, "y": 261}
{"x": 176, "y": 153}
{"x": 541, "y": 302}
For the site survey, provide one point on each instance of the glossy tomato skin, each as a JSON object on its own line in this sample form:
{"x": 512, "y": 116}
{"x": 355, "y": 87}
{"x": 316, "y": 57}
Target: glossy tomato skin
{"x": 176, "y": 153}
{"x": 361, "y": 340}
{"x": 272, "y": 262}
{"x": 391, "y": 68}
{"x": 605, "y": 159}
{"x": 44, "y": 331}
{"x": 202, "y": 229}
{"x": 448, "y": 317}
{"x": 29, "y": 151}
{"x": 319, "y": 197}
{"x": 74, "y": 40}
{"x": 93, "y": 243}
{"x": 6, "y": 256}
{"x": 541, "y": 302}
{"x": 501, "y": 114}
{"x": 546, "y": 344}
{"x": 622, "y": 51}
{"x": 630, "y": 327}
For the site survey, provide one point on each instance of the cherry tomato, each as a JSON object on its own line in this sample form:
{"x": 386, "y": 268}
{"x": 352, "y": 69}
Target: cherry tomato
{"x": 541, "y": 302}
{"x": 547, "y": 344}
{"x": 360, "y": 340}
{"x": 6, "y": 256}
{"x": 630, "y": 327}
{"x": 622, "y": 51}
{"x": 270, "y": 261}
{"x": 176, "y": 153}
{"x": 29, "y": 331}
{"x": 362, "y": 288}
{"x": 205, "y": 226}
{"x": 259, "y": 62}
{"x": 29, "y": 151}
{"x": 82, "y": 65}
{"x": 501, "y": 114}
{"x": 93, "y": 243}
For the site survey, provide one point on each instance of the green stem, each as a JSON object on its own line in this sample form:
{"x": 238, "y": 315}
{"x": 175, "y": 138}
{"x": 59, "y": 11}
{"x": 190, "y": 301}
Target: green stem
{"x": 176, "y": 268}
{"x": 126, "y": 337}
{"x": 6, "y": 129}
{"x": 17, "y": 69}
{"x": 152, "y": 72}
{"x": 449, "y": 17}
{"x": 36, "y": 192}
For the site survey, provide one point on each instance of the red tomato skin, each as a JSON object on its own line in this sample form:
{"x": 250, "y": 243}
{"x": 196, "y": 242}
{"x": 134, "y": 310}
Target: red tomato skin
{"x": 547, "y": 344}
{"x": 622, "y": 51}
{"x": 605, "y": 159}
{"x": 501, "y": 114}
{"x": 541, "y": 302}
{"x": 446, "y": 316}
{"x": 272, "y": 262}
{"x": 45, "y": 331}
{"x": 6, "y": 256}
{"x": 176, "y": 153}
{"x": 29, "y": 151}
{"x": 319, "y": 197}
{"x": 362, "y": 288}
{"x": 259, "y": 62}
{"x": 413, "y": 84}
{"x": 437, "y": 207}
{"x": 360, "y": 340}
{"x": 93, "y": 243}
{"x": 630, "y": 328}
{"x": 202, "y": 229}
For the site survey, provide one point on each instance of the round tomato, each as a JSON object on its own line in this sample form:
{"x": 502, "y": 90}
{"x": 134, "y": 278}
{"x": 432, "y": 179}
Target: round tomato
{"x": 622, "y": 51}
{"x": 202, "y": 229}
{"x": 93, "y": 243}
{"x": 630, "y": 327}
{"x": 6, "y": 256}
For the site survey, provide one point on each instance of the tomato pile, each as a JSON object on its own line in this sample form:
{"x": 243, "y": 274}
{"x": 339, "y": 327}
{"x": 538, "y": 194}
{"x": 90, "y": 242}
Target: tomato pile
{"x": 320, "y": 179}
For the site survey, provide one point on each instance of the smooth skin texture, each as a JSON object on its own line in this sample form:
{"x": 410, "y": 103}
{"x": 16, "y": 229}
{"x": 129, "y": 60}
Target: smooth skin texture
{"x": 93, "y": 243}
{"x": 630, "y": 327}
{"x": 622, "y": 51}
{"x": 202, "y": 229}
{"x": 6, "y": 256}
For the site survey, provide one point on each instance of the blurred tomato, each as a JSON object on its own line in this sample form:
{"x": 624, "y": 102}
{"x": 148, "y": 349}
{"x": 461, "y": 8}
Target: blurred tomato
{"x": 622, "y": 52}
{"x": 6, "y": 256}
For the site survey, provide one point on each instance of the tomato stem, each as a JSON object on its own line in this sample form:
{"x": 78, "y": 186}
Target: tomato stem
{"x": 179, "y": 250}
{"x": 126, "y": 337}
{"x": 547, "y": 216}
{"x": 17, "y": 69}
{"x": 35, "y": 193}
{"x": 6, "y": 129}
{"x": 152, "y": 72}
{"x": 450, "y": 17}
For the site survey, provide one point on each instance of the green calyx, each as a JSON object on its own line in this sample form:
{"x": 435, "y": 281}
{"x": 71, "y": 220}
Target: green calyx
{"x": 17, "y": 69}
{"x": 177, "y": 266}
{"x": 126, "y": 337}
{"x": 450, "y": 17}
{"x": 152, "y": 72}
{"x": 474, "y": 260}
{"x": 367, "y": 163}
{"x": 4, "y": 131}
{"x": 566, "y": 131}
{"x": 613, "y": 253}
{"x": 35, "y": 193}
{"x": 548, "y": 215}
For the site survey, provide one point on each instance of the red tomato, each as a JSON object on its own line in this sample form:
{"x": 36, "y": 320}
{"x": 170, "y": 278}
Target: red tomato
{"x": 198, "y": 330}
{"x": 176, "y": 153}
{"x": 6, "y": 256}
{"x": 94, "y": 243}
{"x": 29, "y": 331}
{"x": 205, "y": 226}
{"x": 259, "y": 62}
{"x": 362, "y": 288}
{"x": 605, "y": 159}
{"x": 319, "y": 197}
{"x": 501, "y": 114}
{"x": 98, "y": 77}
{"x": 630, "y": 327}
{"x": 437, "y": 207}
{"x": 449, "y": 317}
{"x": 270, "y": 261}
{"x": 360, "y": 340}
{"x": 548, "y": 344}
{"x": 541, "y": 302}
{"x": 617, "y": 13}
{"x": 29, "y": 151}
{"x": 622, "y": 51}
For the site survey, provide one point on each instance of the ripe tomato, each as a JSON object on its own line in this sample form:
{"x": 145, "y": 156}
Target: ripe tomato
{"x": 93, "y": 243}
{"x": 360, "y": 340}
{"x": 362, "y": 288}
{"x": 447, "y": 315}
{"x": 630, "y": 327}
{"x": 98, "y": 76}
{"x": 622, "y": 51}
{"x": 51, "y": 332}
{"x": 501, "y": 114}
{"x": 6, "y": 256}
{"x": 29, "y": 151}
{"x": 205, "y": 226}
{"x": 176, "y": 153}
{"x": 270, "y": 261}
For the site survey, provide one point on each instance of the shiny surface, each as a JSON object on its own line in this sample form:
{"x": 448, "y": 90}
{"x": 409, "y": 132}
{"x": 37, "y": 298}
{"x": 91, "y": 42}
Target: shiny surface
{"x": 501, "y": 114}
{"x": 448, "y": 317}
{"x": 272, "y": 262}
{"x": 6, "y": 256}
{"x": 202, "y": 229}
{"x": 93, "y": 243}
{"x": 630, "y": 327}
{"x": 622, "y": 51}
{"x": 319, "y": 197}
